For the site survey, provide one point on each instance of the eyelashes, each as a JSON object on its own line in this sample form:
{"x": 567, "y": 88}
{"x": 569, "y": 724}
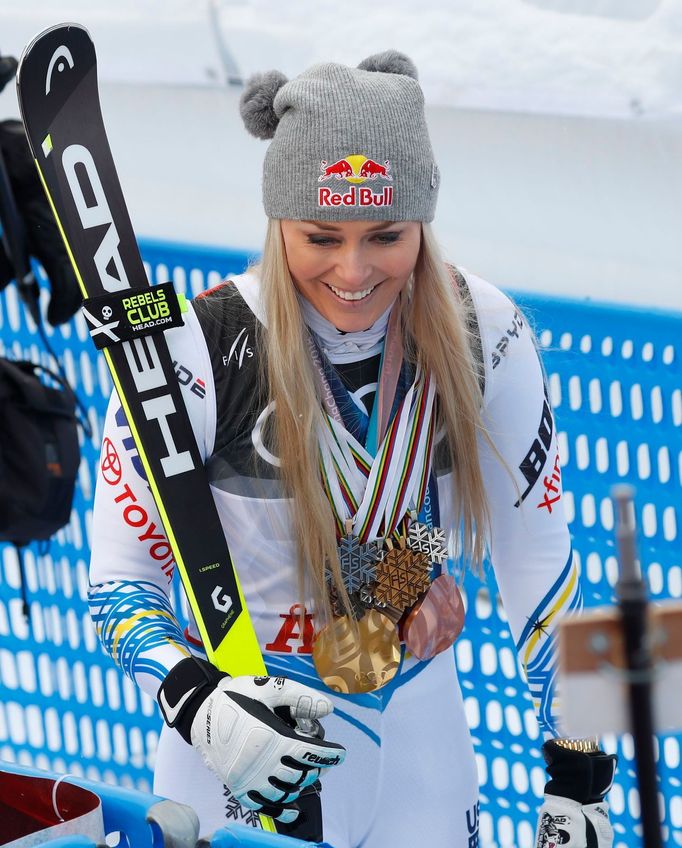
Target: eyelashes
{"x": 388, "y": 238}
{"x": 329, "y": 241}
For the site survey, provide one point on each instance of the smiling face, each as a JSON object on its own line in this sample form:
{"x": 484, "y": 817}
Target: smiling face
{"x": 351, "y": 272}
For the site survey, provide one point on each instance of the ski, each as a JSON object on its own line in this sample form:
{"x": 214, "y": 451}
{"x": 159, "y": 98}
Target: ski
{"x": 59, "y": 101}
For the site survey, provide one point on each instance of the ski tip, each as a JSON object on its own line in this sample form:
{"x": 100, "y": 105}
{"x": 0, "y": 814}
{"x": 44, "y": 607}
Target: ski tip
{"x": 52, "y": 65}
{"x": 48, "y": 33}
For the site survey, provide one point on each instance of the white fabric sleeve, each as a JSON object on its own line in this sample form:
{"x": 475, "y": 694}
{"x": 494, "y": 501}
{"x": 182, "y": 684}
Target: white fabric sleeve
{"x": 132, "y": 564}
{"x": 530, "y": 545}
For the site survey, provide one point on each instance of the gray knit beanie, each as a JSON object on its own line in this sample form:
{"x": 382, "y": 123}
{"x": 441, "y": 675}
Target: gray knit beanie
{"x": 347, "y": 143}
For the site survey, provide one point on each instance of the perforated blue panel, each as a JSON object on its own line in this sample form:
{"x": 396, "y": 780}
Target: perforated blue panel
{"x": 615, "y": 378}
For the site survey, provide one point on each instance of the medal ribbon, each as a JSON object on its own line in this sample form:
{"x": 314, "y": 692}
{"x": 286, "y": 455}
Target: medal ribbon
{"x": 426, "y": 474}
{"x": 337, "y": 400}
{"x": 421, "y": 438}
{"x": 391, "y": 367}
{"x": 375, "y": 490}
{"x": 378, "y": 500}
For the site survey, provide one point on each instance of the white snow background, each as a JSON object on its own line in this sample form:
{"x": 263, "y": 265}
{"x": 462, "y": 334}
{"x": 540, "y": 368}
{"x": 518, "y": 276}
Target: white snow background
{"x": 557, "y": 123}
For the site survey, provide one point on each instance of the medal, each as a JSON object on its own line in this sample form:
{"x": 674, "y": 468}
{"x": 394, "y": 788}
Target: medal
{"x": 428, "y": 540}
{"x": 375, "y": 491}
{"x": 401, "y": 576}
{"x": 352, "y": 658}
{"x": 436, "y": 620}
{"x": 360, "y": 602}
{"x": 357, "y": 560}
{"x": 370, "y": 486}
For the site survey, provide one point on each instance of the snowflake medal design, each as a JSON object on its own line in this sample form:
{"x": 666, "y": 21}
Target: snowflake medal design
{"x": 242, "y": 815}
{"x": 358, "y": 560}
{"x": 335, "y": 603}
{"x": 367, "y": 595}
{"x": 360, "y": 601}
{"x": 391, "y": 612}
{"x": 401, "y": 576}
{"x": 428, "y": 540}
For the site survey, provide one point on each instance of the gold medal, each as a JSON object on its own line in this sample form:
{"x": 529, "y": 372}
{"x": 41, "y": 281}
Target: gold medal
{"x": 354, "y": 659}
{"x": 436, "y": 620}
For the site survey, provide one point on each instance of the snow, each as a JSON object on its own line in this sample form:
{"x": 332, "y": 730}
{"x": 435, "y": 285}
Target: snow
{"x": 557, "y": 123}
{"x": 615, "y": 57}
{"x": 509, "y": 54}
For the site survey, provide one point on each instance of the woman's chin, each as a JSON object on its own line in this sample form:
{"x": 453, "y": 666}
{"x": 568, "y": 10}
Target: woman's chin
{"x": 353, "y": 316}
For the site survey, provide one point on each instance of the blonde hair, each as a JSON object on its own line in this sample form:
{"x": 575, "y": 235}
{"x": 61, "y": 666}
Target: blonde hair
{"x": 435, "y": 320}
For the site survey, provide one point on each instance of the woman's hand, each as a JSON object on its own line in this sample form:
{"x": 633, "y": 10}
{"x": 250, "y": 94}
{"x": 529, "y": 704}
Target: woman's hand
{"x": 574, "y": 813}
{"x": 260, "y": 736}
{"x": 565, "y": 823}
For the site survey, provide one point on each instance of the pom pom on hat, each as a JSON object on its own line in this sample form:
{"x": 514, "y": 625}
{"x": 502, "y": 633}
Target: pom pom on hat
{"x": 256, "y": 105}
{"x": 390, "y": 62}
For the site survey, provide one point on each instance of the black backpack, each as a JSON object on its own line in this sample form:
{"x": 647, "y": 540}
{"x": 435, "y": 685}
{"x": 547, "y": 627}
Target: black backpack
{"x": 39, "y": 453}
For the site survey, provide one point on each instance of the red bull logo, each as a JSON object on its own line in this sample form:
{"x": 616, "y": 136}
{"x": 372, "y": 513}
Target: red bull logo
{"x": 355, "y": 169}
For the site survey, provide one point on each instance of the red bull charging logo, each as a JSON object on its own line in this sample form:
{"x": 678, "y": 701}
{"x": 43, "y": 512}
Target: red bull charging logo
{"x": 355, "y": 169}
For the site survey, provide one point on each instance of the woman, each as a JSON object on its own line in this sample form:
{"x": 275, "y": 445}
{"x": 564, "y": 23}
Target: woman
{"x": 363, "y": 402}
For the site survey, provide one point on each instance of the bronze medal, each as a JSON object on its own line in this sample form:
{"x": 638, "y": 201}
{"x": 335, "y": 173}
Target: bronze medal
{"x": 401, "y": 576}
{"x": 352, "y": 658}
{"x": 436, "y": 620}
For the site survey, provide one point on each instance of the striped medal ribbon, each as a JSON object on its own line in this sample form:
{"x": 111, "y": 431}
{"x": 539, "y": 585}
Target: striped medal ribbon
{"x": 375, "y": 492}
{"x": 370, "y": 487}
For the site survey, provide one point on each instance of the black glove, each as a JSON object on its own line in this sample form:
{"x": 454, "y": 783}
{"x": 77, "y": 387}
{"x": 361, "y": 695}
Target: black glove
{"x": 8, "y": 68}
{"x": 574, "y": 812}
{"x": 43, "y": 239}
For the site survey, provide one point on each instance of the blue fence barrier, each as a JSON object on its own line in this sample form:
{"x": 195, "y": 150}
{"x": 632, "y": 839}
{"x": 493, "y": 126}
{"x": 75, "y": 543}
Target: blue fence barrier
{"x": 615, "y": 377}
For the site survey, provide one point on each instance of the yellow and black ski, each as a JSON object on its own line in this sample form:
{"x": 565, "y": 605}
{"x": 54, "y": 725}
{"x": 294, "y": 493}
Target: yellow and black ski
{"x": 60, "y": 108}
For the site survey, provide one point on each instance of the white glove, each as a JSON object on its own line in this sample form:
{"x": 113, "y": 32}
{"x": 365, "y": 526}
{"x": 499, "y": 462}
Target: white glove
{"x": 260, "y": 736}
{"x": 564, "y": 822}
{"x": 575, "y": 813}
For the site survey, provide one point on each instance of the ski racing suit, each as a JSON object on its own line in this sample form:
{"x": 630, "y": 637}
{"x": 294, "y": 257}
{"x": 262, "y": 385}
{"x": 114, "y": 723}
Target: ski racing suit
{"x": 410, "y": 758}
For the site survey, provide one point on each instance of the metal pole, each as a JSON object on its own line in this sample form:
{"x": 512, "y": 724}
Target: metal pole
{"x": 632, "y": 601}
{"x": 230, "y": 67}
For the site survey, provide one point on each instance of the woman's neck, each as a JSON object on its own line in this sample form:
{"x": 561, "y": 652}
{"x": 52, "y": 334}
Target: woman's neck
{"x": 345, "y": 347}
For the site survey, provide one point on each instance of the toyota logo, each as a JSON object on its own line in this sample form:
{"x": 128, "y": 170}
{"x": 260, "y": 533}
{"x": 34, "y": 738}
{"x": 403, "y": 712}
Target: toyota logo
{"x": 110, "y": 465}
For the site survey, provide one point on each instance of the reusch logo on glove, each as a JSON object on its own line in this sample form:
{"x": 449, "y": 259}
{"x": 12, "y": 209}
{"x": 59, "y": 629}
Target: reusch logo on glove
{"x": 355, "y": 169}
{"x": 321, "y": 761}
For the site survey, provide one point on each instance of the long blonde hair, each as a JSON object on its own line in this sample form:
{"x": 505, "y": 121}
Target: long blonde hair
{"x": 436, "y": 335}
